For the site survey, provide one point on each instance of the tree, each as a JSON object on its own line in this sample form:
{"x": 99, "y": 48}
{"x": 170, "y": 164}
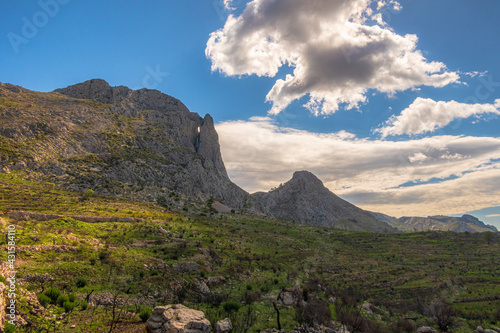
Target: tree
{"x": 442, "y": 313}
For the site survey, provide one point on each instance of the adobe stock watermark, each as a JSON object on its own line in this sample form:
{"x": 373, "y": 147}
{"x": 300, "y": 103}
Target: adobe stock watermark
{"x": 153, "y": 78}
{"x": 10, "y": 309}
{"x": 31, "y": 26}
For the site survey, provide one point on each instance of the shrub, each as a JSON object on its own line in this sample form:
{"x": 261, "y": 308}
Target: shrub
{"x": 61, "y": 299}
{"x": 404, "y": 325}
{"x": 315, "y": 312}
{"x": 43, "y": 299}
{"x": 68, "y": 306}
{"x": 103, "y": 255}
{"x": 84, "y": 304}
{"x": 231, "y": 306}
{"x": 249, "y": 287}
{"x": 81, "y": 282}
{"x": 9, "y": 328}
{"x": 2, "y": 279}
{"x": 144, "y": 315}
{"x": 89, "y": 193}
{"x": 72, "y": 297}
{"x": 53, "y": 294}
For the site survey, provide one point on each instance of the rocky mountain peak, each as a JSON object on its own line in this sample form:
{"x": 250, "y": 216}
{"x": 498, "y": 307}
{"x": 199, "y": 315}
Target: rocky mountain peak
{"x": 305, "y": 200}
{"x": 306, "y": 176}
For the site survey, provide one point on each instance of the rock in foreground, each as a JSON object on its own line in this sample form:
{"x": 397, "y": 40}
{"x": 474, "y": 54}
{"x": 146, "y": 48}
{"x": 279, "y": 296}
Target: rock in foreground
{"x": 177, "y": 319}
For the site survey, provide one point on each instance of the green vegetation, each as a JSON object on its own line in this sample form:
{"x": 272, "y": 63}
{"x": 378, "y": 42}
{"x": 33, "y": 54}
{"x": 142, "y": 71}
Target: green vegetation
{"x": 446, "y": 280}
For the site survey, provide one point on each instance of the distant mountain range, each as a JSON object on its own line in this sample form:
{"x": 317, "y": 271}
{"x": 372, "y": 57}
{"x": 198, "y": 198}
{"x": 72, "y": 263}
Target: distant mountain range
{"x": 146, "y": 145}
{"x": 466, "y": 223}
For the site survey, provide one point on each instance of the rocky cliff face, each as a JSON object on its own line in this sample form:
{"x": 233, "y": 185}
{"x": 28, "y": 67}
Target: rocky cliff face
{"x": 114, "y": 140}
{"x": 305, "y": 200}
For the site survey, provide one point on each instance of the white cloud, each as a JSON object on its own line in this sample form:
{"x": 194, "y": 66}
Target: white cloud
{"x": 337, "y": 50}
{"x": 260, "y": 155}
{"x": 427, "y": 115}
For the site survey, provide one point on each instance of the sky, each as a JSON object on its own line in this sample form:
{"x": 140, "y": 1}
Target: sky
{"x": 394, "y": 105}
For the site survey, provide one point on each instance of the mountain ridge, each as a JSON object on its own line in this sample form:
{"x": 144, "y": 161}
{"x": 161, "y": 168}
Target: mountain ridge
{"x": 465, "y": 223}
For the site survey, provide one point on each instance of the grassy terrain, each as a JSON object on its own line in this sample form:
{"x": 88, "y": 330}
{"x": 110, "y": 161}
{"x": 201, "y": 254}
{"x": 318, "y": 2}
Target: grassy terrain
{"x": 411, "y": 280}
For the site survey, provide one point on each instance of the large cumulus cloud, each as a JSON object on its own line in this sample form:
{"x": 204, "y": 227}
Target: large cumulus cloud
{"x": 338, "y": 49}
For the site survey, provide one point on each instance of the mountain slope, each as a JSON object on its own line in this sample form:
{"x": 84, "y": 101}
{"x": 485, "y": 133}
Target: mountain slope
{"x": 305, "y": 200}
{"x": 465, "y": 223}
{"x": 142, "y": 144}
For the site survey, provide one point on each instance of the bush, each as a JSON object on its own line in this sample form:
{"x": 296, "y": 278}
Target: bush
{"x": 72, "y": 297}
{"x": 9, "y": 328}
{"x": 231, "y": 306}
{"x": 404, "y": 325}
{"x": 315, "y": 312}
{"x": 61, "y": 299}
{"x": 53, "y": 294}
{"x": 81, "y": 282}
{"x": 144, "y": 315}
{"x": 43, "y": 299}
{"x": 2, "y": 279}
{"x": 68, "y": 306}
{"x": 83, "y": 304}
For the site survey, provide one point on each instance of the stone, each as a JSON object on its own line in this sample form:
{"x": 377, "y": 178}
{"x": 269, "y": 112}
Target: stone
{"x": 184, "y": 267}
{"x": 202, "y": 287}
{"x": 223, "y": 326}
{"x": 480, "y": 329}
{"x": 426, "y": 329}
{"x": 163, "y": 231}
{"x": 177, "y": 319}
{"x": 214, "y": 280}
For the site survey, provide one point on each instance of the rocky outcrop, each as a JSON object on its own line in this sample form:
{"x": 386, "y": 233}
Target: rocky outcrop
{"x": 305, "y": 200}
{"x": 19, "y": 215}
{"x": 426, "y": 329}
{"x": 177, "y": 319}
{"x": 117, "y": 141}
{"x": 183, "y": 267}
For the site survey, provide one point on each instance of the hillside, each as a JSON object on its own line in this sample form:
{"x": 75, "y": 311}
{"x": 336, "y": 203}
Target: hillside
{"x": 236, "y": 266}
{"x": 115, "y": 141}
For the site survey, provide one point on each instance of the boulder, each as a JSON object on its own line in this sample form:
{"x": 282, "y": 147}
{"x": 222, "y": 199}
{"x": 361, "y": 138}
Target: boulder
{"x": 223, "y": 326}
{"x": 202, "y": 287}
{"x": 177, "y": 319}
{"x": 184, "y": 267}
{"x": 480, "y": 329}
{"x": 214, "y": 280}
{"x": 426, "y": 329}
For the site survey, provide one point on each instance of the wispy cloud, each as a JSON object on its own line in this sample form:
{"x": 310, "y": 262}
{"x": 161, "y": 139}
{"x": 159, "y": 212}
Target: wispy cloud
{"x": 493, "y": 215}
{"x": 339, "y": 50}
{"x": 426, "y": 115}
{"x": 377, "y": 174}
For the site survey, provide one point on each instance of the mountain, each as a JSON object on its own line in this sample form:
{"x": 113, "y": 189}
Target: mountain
{"x": 305, "y": 200}
{"x": 141, "y": 144}
{"x": 466, "y": 223}
{"x": 147, "y": 146}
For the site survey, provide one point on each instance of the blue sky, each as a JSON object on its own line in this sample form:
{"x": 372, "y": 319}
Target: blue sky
{"x": 439, "y": 154}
